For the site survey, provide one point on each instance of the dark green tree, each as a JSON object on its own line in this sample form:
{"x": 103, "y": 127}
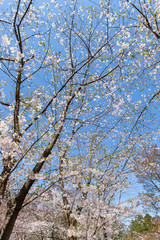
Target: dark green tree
{"x": 141, "y": 225}
{"x": 147, "y": 223}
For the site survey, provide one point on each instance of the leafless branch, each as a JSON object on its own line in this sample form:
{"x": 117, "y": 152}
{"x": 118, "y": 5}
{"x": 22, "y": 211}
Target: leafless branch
{"x": 5, "y": 103}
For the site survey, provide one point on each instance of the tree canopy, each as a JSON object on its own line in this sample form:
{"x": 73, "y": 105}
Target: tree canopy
{"x": 78, "y": 102}
{"x": 146, "y": 227}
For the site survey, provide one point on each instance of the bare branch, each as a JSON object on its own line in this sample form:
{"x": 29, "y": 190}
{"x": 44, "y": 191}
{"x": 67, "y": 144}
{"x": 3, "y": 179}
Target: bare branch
{"x": 5, "y": 103}
{"x": 143, "y": 110}
{"x": 7, "y": 59}
{"x": 4, "y": 21}
{"x": 147, "y": 23}
{"x": 25, "y": 12}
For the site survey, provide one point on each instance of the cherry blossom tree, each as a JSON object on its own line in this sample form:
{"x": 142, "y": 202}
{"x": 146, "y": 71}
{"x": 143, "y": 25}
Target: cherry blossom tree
{"x": 69, "y": 116}
{"x": 60, "y": 110}
{"x": 146, "y": 32}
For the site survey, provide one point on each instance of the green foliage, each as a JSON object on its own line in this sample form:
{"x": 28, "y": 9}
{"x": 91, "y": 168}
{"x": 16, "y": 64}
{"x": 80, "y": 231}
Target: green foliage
{"x": 141, "y": 225}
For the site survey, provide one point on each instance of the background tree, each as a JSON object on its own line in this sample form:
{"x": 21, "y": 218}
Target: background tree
{"x": 141, "y": 224}
{"x": 147, "y": 171}
{"x": 145, "y": 32}
{"x": 146, "y": 227}
{"x": 61, "y": 114}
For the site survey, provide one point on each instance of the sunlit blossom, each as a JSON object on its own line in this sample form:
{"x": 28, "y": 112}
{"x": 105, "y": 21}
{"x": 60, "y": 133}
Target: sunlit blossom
{"x": 5, "y": 40}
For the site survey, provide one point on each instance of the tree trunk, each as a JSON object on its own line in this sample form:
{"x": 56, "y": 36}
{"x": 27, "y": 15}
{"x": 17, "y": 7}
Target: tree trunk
{"x": 15, "y": 207}
{"x": 11, "y": 216}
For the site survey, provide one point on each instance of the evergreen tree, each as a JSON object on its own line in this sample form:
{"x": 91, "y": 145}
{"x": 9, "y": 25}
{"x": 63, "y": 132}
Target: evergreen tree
{"x": 141, "y": 225}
